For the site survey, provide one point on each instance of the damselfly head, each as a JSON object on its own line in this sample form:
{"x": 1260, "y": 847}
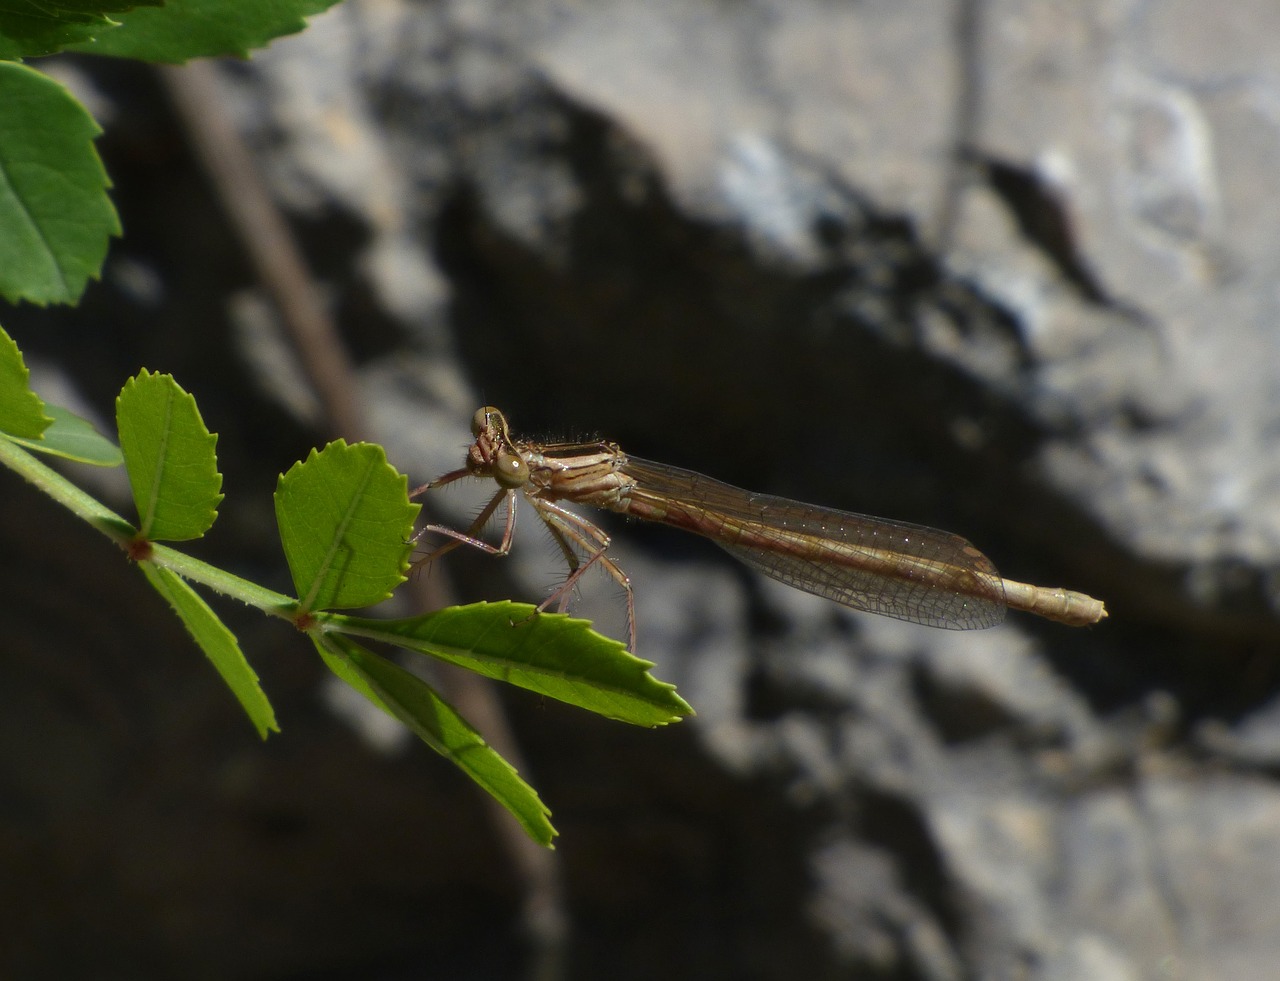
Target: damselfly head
{"x": 493, "y": 454}
{"x": 490, "y": 420}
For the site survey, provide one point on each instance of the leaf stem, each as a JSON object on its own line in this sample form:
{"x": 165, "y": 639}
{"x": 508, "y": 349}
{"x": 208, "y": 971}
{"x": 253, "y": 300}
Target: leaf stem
{"x": 226, "y": 583}
{"x": 66, "y": 493}
{"x": 101, "y": 517}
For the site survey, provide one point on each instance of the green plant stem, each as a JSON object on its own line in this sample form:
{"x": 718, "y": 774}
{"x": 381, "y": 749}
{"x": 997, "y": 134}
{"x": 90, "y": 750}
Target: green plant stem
{"x": 226, "y": 583}
{"x": 66, "y": 493}
{"x": 101, "y": 517}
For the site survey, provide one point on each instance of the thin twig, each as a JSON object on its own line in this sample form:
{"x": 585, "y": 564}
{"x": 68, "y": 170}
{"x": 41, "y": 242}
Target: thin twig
{"x": 194, "y": 89}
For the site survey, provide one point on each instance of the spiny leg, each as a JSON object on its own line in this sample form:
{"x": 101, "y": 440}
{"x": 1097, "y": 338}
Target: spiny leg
{"x": 571, "y": 559}
{"x": 472, "y": 535}
{"x": 448, "y": 478}
{"x": 569, "y": 529}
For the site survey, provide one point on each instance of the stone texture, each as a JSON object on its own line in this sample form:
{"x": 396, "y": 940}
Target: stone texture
{"x": 1006, "y": 268}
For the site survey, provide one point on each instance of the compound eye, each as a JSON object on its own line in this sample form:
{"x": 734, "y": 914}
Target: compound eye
{"x": 480, "y": 421}
{"x": 509, "y": 470}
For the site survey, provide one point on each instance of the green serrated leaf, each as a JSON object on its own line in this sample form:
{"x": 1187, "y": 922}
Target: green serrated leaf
{"x": 41, "y": 427}
{"x": 30, "y": 28}
{"x": 345, "y": 521}
{"x": 55, "y": 217}
{"x": 170, "y": 457}
{"x": 437, "y": 723}
{"x": 73, "y": 437}
{"x": 343, "y": 668}
{"x": 21, "y": 411}
{"x": 23, "y": 36}
{"x": 186, "y": 29}
{"x": 549, "y": 653}
{"x": 218, "y": 643}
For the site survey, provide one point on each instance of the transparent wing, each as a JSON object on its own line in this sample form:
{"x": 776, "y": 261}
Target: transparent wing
{"x": 893, "y": 568}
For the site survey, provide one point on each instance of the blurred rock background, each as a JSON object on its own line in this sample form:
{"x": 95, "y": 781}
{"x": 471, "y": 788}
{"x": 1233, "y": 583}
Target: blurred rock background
{"x": 1004, "y": 268}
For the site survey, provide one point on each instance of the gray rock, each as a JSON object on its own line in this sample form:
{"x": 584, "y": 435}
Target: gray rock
{"x": 1002, "y": 268}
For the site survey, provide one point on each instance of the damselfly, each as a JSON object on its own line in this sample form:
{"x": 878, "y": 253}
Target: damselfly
{"x": 881, "y": 566}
